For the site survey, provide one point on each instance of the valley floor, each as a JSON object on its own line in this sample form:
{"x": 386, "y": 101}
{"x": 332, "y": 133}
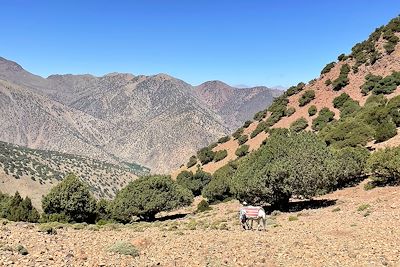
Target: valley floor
{"x": 354, "y": 228}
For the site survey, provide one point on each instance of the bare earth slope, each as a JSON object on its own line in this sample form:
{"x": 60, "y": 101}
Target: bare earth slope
{"x": 337, "y": 235}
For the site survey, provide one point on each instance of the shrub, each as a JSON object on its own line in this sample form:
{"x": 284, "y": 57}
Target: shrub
{"x": 349, "y": 107}
{"x": 295, "y": 89}
{"x": 342, "y": 80}
{"x": 277, "y": 109}
{"x": 193, "y": 182}
{"x": 16, "y": 208}
{"x": 238, "y": 133}
{"x": 224, "y": 139}
{"x": 342, "y": 57}
{"x": 124, "y": 248}
{"x": 261, "y": 126}
{"x": 312, "y": 110}
{"x": 72, "y": 198}
{"x": 339, "y": 100}
{"x": 299, "y": 125}
{"x": 287, "y": 165}
{"x": 243, "y": 139}
{"x": 328, "y": 68}
{"x": 220, "y": 155}
{"x": 385, "y": 131}
{"x": 328, "y": 82}
{"x": 205, "y": 155}
{"x": 306, "y": 97}
{"x": 219, "y": 187}
{"x": 259, "y": 115}
{"x": 103, "y": 211}
{"x": 242, "y": 151}
{"x": 379, "y": 85}
{"x": 22, "y": 250}
{"x": 203, "y": 206}
{"x": 384, "y": 164}
{"x": 247, "y": 124}
{"x": 147, "y": 196}
{"x": 192, "y": 161}
{"x": 349, "y": 132}
{"x": 324, "y": 117}
{"x": 349, "y": 165}
{"x": 290, "y": 111}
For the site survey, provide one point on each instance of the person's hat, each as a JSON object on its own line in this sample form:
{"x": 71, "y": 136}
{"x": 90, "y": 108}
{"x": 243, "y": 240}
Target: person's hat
{"x": 244, "y": 203}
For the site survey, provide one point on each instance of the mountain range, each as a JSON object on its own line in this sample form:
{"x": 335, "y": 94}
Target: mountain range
{"x": 156, "y": 121}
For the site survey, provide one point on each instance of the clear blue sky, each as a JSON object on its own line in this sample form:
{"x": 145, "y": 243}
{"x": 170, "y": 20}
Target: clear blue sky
{"x": 254, "y": 42}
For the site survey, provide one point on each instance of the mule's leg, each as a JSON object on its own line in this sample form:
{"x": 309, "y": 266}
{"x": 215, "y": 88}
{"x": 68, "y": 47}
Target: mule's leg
{"x": 251, "y": 227}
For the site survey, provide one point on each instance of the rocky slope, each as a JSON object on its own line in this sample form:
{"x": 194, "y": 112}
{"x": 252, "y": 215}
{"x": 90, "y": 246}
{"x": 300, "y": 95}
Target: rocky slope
{"x": 157, "y": 121}
{"x": 235, "y": 105}
{"x": 350, "y": 227}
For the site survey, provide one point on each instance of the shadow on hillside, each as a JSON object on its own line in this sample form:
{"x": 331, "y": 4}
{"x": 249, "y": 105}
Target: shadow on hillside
{"x": 171, "y": 217}
{"x": 305, "y": 204}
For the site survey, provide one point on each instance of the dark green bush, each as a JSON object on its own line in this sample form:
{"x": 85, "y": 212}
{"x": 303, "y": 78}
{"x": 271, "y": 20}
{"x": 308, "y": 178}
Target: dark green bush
{"x": 224, "y": 139}
{"x": 103, "y": 210}
{"x": 342, "y": 80}
{"x": 312, "y": 110}
{"x": 349, "y": 107}
{"x": 328, "y": 68}
{"x": 247, "y": 124}
{"x": 384, "y": 164}
{"x": 385, "y": 131}
{"x": 17, "y": 209}
{"x": 220, "y": 155}
{"x": 379, "y": 85}
{"x": 295, "y": 89}
{"x": 194, "y": 182}
{"x": 324, "y": 117}
{"x": 242, "y": 151}
{"x": 287, "y": 165}
{"x": 261, "y": 126}
{"x": 218, "y": 189}
{"x": 260, "y": 115}
{"x": 306, "y": 97}
{"x": 349, "y": 165}
{"x": 205, "y": 155}
{"x": 290, "y": 111}
{"x": 339, "y": 100}
{"x": 299, "y": 125}
{"x": 192, "y": 161}
{"x": 203, "y": 206}
{"x": 238, "y": 133}
{"x": 243, "y": 139}
{"x": 72, "y": 198}
{"x": 328, "y": 82}
{"x": 147, "y": 196}
{"x": 349, "y": 132}
{"x": 342, "y": 57}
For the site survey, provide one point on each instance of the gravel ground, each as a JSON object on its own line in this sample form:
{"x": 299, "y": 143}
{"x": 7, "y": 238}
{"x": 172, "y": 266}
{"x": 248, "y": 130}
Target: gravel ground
{"x": 358, "y": 228}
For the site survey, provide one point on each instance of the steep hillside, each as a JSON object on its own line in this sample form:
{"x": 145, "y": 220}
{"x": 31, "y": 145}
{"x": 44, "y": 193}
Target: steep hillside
{"x": 235, "y": 105}
{"x": 33, "y": 172}
{"x": 369, "y": 70}
{"x": 157, "y": 121}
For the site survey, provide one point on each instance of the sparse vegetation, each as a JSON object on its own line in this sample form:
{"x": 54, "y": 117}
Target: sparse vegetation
{"x": 203, "y": 206}
{"x": 192, "y": 161}
{"x": 295, "y": 89}
{"x": 205, "y": 155}
{"x": 224, "y": 139}
{"x": 243, "y": 139}
{"x": 124, "y": 248}
{"x": 290, "y": 111}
